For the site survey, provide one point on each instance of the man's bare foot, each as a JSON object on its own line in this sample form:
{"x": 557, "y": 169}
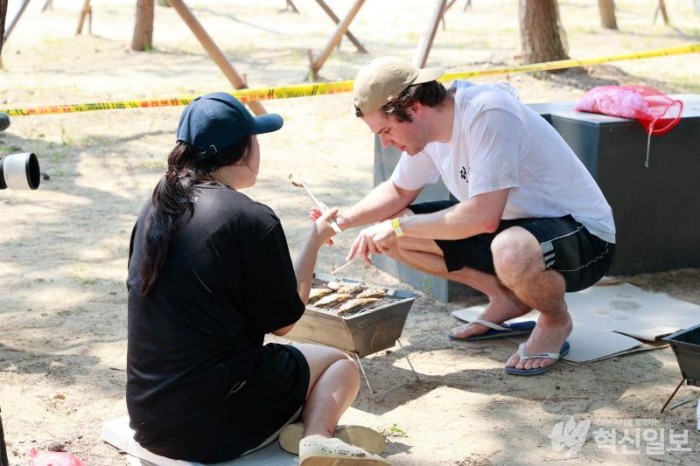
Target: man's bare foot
{"x": 548, "y": 337}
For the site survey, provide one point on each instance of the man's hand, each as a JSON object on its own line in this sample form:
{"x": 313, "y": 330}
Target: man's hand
{"x": 376, "y": 239}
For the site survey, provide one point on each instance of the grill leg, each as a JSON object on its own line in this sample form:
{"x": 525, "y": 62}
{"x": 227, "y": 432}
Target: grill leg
{"x": 672, "y": 394}
{"x": 405, "y": 355}
{"x": 362, "y": 369}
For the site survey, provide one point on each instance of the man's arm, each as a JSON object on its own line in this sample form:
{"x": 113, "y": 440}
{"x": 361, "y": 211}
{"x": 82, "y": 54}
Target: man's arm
{"x": 384, "y": 201}
{"x": 480, "y": 214}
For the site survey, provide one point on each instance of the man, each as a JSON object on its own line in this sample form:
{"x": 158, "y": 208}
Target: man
{"x": 530, "y": 222}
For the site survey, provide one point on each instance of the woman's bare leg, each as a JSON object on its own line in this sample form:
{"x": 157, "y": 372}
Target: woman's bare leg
{"x": 333, "y": 385}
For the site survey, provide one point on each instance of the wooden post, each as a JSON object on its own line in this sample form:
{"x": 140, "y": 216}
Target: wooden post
{"x": 664, "y": 14}
{"x": 426, "y": 42}
{"x": 86, "y": 12}
{"x": 214, "y": 52}
{"x": 291, "y": 6}
{"x": 15, "y": 19}
{"x": 339, "y": 32}
{"x": 447, "y": 7}
{"x": 3, "y": 15}
{"x": 336, "y": 20}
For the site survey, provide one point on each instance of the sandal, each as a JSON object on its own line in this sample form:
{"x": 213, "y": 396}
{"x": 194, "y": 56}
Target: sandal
{"x": 363, "y": 437}
{"x": 321, "y": 451}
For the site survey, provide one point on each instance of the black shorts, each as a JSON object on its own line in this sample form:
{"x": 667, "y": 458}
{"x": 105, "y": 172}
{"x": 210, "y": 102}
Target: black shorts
{"x": 250, "y": 417}
{"x": 567, "y": 247}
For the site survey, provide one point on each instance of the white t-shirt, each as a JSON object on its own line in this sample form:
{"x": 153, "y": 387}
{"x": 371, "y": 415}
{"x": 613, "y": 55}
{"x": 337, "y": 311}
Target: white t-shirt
{"x": 499, "y": 143}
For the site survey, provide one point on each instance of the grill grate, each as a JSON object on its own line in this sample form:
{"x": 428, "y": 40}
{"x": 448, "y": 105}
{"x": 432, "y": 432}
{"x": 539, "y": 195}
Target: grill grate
{"x": 333, "y": 309}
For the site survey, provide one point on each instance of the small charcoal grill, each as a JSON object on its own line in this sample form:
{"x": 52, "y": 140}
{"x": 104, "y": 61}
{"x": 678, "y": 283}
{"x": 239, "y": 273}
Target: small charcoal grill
{"x": 686, "y": 347}
{"x": 360, "y": 332}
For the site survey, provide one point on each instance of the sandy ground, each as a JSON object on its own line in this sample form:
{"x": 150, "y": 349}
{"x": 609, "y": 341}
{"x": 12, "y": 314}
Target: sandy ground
{"x": 63, "y": 248}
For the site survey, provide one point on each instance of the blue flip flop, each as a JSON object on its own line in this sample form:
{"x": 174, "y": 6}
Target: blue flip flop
{"x": 539, "y": 370}
{"x": 498, "y": 331}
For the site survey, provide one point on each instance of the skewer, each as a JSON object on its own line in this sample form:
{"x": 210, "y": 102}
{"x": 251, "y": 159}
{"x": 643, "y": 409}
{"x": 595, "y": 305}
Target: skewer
{"x": 321, "y": 206}
{"x": 341, "y": 267}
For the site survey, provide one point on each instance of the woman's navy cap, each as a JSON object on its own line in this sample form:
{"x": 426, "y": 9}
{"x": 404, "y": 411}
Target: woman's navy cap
{"x": 214, "y": 122}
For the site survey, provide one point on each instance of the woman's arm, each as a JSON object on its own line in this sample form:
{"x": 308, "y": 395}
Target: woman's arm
{"x": 305, "y": 262}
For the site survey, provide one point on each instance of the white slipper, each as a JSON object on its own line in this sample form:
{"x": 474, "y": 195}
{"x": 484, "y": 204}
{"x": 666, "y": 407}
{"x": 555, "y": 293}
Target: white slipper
{"x": 321, "y": 451}
{"x": 363, "y": 437}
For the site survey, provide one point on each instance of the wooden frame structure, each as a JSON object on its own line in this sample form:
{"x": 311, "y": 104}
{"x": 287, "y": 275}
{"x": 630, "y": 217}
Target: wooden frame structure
{"x": 422, "y": 51}
{"x": 214, "y": 52}
{"x": 324, "y": 6}
{"x": 86, "y": 12}
{"x": 315, "y": 64}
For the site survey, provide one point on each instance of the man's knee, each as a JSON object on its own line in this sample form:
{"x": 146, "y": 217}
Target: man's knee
{"x": 516, "y": 253}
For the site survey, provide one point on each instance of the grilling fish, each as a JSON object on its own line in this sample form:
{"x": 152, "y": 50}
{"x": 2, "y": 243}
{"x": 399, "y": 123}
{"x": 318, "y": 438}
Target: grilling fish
{"x": 332, "y": 299}
{"x": 350, "y": 288}
{"x": 354, "y": 304}
{"x": 316, "y": 293}
{"x": 334, "y": 285}
{"x": 372, "y": 293}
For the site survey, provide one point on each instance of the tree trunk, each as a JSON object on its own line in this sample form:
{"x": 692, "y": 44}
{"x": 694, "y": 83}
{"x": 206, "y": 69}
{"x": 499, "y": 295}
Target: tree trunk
{"x": 143, "y": 29}
{"x": 607, "y": 14}
{"x": 542, "y": 36}
{"x": 3, "y": 14}
{"x": 165, "y": 3}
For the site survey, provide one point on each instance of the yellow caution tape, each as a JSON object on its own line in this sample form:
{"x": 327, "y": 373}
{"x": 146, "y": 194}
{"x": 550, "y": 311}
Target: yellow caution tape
{"x": 561, "y": 64}
{"x": 307, "y": 90}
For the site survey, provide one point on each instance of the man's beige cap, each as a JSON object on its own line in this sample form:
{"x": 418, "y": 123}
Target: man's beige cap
{"x": 382, "y": 80}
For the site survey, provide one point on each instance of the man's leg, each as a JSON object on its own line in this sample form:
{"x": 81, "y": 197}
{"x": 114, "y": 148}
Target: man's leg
{"x": 520, "y": 266}
{"x": 426, "y": 256}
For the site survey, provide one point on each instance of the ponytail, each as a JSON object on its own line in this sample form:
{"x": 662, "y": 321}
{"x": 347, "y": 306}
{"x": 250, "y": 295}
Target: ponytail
{"x": 172, "y": 198}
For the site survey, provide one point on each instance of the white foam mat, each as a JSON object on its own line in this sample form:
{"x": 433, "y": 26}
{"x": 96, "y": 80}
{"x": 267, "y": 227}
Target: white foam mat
{"x": 117, "y": 433}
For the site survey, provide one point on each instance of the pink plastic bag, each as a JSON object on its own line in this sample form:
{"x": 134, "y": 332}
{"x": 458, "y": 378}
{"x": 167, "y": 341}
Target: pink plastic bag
{"x": 656, "y": 112}
{"x": 53, "y": 458}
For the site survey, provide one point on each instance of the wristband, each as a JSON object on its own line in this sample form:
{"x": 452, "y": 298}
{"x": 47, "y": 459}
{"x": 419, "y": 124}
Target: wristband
{"x": 396, "y": 225}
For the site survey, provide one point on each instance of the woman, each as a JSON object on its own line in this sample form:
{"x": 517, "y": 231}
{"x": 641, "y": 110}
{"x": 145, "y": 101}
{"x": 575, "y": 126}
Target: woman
{"x": 209, "y": 275}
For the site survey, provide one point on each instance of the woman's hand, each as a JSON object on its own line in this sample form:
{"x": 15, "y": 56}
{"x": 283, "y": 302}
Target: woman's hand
{"x": 315, "y": 214}
{"x": 322, "y": 225}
